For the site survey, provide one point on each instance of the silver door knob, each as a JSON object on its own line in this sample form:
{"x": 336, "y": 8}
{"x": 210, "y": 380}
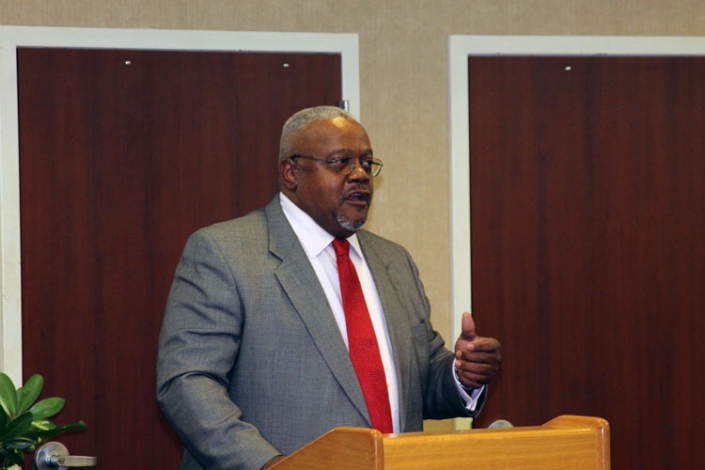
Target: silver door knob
{"x": 54, "y": 455}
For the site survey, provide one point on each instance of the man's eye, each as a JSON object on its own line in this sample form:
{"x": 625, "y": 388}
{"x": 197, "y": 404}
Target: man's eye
{"x": 341, "y": 162}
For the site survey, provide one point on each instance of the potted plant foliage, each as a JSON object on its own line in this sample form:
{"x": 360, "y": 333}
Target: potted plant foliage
{"x": 24, "y": 421}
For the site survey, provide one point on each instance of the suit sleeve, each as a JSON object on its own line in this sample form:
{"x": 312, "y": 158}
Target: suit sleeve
{"x": 198, "y": 346}
{"x": 442, "y": 399}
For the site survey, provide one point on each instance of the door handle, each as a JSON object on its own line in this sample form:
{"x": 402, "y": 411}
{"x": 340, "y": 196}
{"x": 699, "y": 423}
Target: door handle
{"x": 54, "y": 455}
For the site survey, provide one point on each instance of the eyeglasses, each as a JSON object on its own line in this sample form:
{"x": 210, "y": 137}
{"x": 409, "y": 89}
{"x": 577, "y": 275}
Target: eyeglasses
{"x": 346, "y": 165}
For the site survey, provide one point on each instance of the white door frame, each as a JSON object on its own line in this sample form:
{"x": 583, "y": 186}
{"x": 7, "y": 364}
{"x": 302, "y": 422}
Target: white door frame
{"x": 12, "y": 37}
{"x": 462, "y": 46}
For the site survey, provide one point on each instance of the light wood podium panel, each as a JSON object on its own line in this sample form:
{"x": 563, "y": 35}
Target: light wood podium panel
{"x": 564, "y": 443}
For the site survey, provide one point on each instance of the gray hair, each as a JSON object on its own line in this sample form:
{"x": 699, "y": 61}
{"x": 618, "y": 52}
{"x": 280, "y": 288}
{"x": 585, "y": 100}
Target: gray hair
{"x": 303, "y": 118}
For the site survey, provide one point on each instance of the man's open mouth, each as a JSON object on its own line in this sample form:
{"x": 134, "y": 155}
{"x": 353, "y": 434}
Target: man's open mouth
{"x": 358, "y": 197}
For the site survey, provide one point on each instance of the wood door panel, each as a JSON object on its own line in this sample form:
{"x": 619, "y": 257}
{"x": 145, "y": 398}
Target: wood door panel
{"x": 588, "y": 244}
{"x": 122, "y": 155}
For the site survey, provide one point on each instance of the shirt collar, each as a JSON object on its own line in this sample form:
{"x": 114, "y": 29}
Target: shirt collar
{"x": 312, "y": 236}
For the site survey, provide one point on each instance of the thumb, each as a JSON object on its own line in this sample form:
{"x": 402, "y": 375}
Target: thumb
{"x": 468, "y": 327}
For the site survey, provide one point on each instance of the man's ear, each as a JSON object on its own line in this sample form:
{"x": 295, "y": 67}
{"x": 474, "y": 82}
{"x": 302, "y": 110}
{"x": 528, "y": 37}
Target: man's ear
{"x": 289, "y": 174}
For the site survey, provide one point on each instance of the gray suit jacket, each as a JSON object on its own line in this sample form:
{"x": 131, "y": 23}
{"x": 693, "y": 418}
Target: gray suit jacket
{"x": 251, "y": 362}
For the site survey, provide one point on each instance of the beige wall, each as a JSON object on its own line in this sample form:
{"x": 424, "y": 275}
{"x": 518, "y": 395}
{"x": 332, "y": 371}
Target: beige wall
{"x": 404, "y": 78}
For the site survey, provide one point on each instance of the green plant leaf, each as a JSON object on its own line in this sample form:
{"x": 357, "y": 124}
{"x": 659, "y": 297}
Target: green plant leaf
{"x": 18, "y": 427}
{"x": 12, "y": 457}
{"x": 43, "y": 425}
{"x": 18, "y": 444}
{"x": 47, "y": 408}
{"x": 8, "y": 395}
{"x": 29, "y": 393}
{"x": 4, "y": 421}
{"x": 23, "y": 423}
{"x": 42, "y": 436}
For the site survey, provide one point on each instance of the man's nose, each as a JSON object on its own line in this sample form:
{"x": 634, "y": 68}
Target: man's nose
{"x": 358, "y": 172}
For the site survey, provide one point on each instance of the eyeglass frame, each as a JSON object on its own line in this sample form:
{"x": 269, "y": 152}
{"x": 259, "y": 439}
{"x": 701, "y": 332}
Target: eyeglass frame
{"x": 350, "y": 167}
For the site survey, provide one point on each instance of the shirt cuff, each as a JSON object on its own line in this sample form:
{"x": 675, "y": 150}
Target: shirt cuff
{"x": 469, "y": 395}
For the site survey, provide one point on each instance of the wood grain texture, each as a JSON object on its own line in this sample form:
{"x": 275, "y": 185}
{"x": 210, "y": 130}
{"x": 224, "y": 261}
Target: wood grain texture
{"x": 588, "y": 242}
{"x": 564, "y": 443}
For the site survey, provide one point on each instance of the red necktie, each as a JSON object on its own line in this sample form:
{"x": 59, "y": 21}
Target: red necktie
{"x": 364, "y": 350}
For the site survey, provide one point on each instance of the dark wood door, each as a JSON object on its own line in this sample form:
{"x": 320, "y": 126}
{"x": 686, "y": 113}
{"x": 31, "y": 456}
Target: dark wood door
{"x": 588, "y": 245}
{"x": 122, "y": 155}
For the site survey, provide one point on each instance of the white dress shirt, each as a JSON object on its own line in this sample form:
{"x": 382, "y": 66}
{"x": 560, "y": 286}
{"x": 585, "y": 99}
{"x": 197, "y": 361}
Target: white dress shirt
{"x": 317, "y": 244}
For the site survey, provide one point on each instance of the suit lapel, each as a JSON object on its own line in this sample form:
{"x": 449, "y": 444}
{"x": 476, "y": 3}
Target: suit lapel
{"x": 299, "y": 281}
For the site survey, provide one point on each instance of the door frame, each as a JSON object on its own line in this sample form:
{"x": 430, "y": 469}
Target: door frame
{"x": 13, "y": 37}
{"x": 462, "y": 46}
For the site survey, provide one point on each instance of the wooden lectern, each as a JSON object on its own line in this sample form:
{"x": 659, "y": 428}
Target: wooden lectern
{"x": 564, "y": 443}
